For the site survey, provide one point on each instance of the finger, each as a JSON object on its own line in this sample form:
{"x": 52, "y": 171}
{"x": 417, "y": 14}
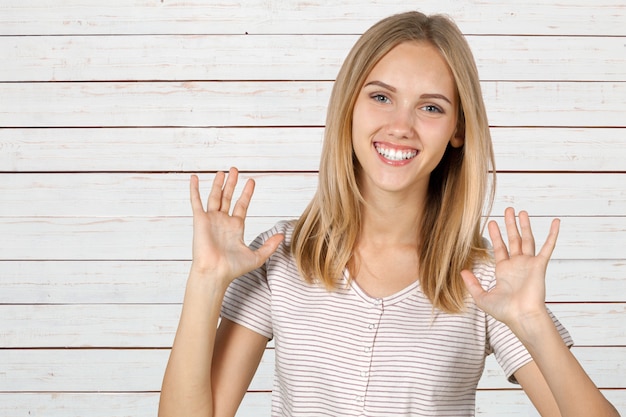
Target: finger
{"x": 473, "y": 286}
{"x": 528, "y": 240}
{"x": 500, "y": 250}
{"x": 266, "y": 250}
{"x": 215, "y": 196}
{"x": 512, "y": 233}
{"x": 242, "y": 204}
{"x": 194, "y": 194}
{"x": 550, "y": 243}
{"x": 229, "y": 189}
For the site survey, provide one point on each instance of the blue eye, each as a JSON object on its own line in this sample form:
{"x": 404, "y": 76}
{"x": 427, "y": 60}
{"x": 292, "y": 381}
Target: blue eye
{"x": 432, "y": 109}
{"x": 381, "y": 98}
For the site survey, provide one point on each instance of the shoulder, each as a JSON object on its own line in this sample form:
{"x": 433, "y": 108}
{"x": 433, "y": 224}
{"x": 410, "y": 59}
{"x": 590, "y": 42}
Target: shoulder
{"x": 485, "y": 272}
{"x": 284, "y": 227}
{"x": 282, "y": 257}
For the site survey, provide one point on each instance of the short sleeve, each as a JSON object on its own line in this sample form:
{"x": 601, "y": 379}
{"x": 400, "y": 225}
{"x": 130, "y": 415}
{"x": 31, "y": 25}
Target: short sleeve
{"x": 509, "y": 351}
{"x": 248, "y": 298}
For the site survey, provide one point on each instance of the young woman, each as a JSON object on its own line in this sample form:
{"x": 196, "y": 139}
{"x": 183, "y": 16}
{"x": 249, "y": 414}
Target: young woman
{"x": 382, "y": 298}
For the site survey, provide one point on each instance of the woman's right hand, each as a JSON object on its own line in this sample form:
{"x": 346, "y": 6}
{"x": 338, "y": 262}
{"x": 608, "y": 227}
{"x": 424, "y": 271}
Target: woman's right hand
{"x": 219, "y": 249}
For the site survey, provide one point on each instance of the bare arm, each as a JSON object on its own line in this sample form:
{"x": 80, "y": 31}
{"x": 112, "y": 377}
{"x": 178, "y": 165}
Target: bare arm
{"x": 186, "y": 386}
{"x": 238, "y": 352}
{"x": 571, "y": 382}
{"x": 193, "y": 382}
{"x": 518, "y": 300}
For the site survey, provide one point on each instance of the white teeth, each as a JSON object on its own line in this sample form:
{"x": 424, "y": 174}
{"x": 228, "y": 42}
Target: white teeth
{"x": 396, "y": 154}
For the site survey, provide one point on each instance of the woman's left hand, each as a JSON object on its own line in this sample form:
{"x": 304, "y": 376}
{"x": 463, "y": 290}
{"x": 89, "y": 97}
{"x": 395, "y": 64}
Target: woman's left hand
{"x": 520, "y": 291}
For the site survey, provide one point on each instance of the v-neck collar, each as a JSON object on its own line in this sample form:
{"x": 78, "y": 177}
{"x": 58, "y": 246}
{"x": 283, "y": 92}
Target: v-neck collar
{"x": 386, "y": 301}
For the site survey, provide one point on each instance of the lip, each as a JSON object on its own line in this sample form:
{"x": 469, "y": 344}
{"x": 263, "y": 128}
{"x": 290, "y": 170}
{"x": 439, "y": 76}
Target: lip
{"x": 407, "y": 150}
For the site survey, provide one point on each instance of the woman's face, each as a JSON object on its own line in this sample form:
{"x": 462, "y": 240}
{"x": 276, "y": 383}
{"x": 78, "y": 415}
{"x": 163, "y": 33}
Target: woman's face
{"x": 404, "y": 117}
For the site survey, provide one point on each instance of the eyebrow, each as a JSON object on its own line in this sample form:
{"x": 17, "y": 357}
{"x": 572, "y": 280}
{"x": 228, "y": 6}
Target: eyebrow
{"x": 393, "y": 90}
{"x": 440, "y": 96}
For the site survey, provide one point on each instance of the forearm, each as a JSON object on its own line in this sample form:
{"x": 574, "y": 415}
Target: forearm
{"x": 186, "y": 386}
{"x": 574, "y": 392}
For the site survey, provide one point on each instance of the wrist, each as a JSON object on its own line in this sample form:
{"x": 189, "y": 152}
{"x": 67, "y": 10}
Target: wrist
{"x": 533, "y": 328}
{"x": 207, "y": 281}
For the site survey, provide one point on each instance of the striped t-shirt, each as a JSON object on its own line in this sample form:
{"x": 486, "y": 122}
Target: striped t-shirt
{"x": 344, "y": 353}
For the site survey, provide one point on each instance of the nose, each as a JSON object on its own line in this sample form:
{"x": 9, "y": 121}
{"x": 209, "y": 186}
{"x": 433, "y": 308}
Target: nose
{"x": 401, "y": 123}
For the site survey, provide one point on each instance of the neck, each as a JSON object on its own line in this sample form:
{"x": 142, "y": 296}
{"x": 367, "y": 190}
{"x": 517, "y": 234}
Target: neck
{"x": 386, "y": 257}
{"x": 391, "y": 220}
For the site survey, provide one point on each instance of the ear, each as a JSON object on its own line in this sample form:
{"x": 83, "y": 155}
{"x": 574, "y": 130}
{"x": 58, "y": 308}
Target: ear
{"x": 458, "y": 139}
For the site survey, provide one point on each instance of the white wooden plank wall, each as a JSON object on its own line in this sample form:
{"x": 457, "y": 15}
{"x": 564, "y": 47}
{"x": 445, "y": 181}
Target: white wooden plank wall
{"x": 106, "y": 107}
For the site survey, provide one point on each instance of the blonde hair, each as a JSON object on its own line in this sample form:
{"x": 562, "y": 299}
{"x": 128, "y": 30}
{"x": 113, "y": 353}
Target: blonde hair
{"x": 450, "y": 239}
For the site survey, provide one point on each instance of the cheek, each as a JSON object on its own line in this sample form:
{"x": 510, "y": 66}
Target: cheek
{"x": 439, "y": 130}
{"x": 357, "y": 116}
{"x": 366, "y": 126}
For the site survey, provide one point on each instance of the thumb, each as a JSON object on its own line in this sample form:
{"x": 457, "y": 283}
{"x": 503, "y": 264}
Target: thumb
{"x": 472, "y": 285}
{"x": 269, "y": 247}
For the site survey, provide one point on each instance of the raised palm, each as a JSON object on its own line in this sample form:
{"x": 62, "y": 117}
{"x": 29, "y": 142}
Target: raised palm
{"x": 520, "y": 273}
{"x": 218, "y": 235}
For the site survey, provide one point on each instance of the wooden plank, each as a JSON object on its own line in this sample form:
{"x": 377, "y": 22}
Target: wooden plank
{"x": 169, "y": 238}
{"x": 154, "y": 325}
{"x": 489, "y": 403}
{"x": 571, "y": 58}
{"x": 95, "y": 282}
{"x": 156, "y": 195}
{"x": 174, "y": 57}
{"x": 52, "y": 404}
{"x": 204, "y": 103}
{"x": 161, "y": 104}
{"x": 286, "y": 57}
{"x": 80, "y": 370}
{"x": 586, "y": 280}
{"x": 89, "y": 326}
{"x": 562, "y": 194}
{"x": 44, "y": 17}
{"x": 280, "y": 194}
{"x": 162, "y": 281}
{"x": 555, "y": 104}
{"x": 275, "y": 149}
{"x": 559, "y": 149}
{"x": 162, "y": 149}
{"x": 141, "y": 370}
{"x": 593, "y": 324}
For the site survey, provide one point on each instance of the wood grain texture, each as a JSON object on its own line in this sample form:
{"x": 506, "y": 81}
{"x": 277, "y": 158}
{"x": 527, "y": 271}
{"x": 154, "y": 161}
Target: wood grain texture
{"x": 285, "y": 57}
{"x": 536, "y": 17}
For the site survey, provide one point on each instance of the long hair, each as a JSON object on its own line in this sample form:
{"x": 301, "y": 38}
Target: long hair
{"x": 326, "y": 234}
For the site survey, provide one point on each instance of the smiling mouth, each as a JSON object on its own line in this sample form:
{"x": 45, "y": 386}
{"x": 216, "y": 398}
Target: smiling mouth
{"x": 395, "y": 154}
